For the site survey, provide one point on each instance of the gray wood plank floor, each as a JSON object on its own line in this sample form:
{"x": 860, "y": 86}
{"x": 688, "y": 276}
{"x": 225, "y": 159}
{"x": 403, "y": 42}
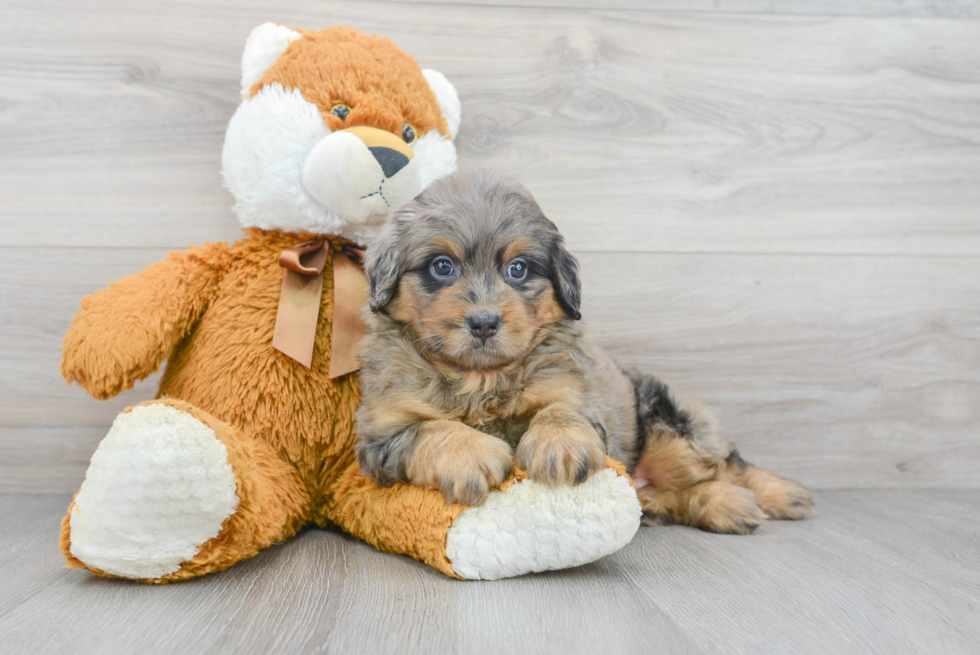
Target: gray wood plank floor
{"x": 873, "y": 572}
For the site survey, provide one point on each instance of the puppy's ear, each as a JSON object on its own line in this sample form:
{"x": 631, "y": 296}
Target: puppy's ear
{"x": 384, "y": 261}
{"x": 564, "y": 278}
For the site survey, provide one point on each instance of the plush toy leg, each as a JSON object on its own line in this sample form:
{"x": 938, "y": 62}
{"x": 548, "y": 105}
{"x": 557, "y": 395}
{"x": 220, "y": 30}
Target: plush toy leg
{"x": 173, "y": 493}
{"x": 523, "y": 527}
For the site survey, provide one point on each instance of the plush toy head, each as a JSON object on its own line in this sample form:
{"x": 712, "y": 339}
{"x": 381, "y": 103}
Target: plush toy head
{"x": 335, "y": 130}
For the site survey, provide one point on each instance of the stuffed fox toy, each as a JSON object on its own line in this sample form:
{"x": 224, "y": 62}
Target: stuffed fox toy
{"x": 251, "y": 436}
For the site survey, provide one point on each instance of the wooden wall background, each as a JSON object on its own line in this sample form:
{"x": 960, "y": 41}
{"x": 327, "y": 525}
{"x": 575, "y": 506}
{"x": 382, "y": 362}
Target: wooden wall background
{"x": 776, "y": 205}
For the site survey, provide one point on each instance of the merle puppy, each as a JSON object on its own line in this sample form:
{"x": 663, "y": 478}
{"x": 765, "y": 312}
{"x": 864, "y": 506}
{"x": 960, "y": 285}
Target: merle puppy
{"x": 475, "y": 350}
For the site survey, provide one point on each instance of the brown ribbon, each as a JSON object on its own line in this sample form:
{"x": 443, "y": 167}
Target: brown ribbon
{"x": 299, "y": 303}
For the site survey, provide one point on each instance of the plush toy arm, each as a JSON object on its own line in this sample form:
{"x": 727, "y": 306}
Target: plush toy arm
{"x": 125, "y": 331}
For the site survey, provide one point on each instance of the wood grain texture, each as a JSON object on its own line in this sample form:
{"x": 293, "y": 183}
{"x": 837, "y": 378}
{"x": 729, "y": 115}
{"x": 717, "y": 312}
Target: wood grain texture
{"x": 873, "y": 571}
{"x": 779, "y": 213}
{"x": 932, "y": 8}
{"x": 839, "y": 371}
{"x": 643, "y": 131}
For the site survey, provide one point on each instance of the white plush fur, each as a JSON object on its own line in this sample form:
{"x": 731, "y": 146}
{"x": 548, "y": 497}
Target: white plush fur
{"x": 532, "y": 527}
{"x": 263, "y": 48}
{"x": 435, "y": 156}
{"x": 158, "y": 487}
{"x": 448, "y": 99}
{"x": 343, "y": 175}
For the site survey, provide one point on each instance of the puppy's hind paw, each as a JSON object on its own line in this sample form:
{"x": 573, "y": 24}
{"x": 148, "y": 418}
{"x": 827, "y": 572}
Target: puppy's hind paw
{"x": 728, "y": 509}
{"x": 780, "y": 498}
{"x": 793, "y": 504}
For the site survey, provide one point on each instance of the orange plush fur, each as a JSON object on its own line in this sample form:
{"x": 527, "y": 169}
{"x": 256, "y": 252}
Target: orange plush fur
{"x": 289, "y": 431}
{"x": 329, "y": 67}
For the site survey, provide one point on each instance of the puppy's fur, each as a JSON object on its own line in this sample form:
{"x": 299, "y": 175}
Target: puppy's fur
{"x": 475, "y": 351}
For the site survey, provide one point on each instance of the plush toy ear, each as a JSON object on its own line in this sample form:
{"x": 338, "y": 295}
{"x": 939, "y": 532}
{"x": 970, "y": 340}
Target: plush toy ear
{"x": 263, "y": 48}
{"x": 448, "y": 99}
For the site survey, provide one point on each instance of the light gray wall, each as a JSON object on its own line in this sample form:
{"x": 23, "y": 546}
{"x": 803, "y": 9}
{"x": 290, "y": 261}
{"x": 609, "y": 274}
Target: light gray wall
{"x": 777, "y": 212}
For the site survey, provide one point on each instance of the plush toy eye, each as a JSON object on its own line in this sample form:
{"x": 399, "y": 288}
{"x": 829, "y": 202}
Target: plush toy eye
{"x": 517, "y": 270}
{"x": 340, "y": 111}
{"x": 443, "y": 267}
{"x": 408, "y": 133}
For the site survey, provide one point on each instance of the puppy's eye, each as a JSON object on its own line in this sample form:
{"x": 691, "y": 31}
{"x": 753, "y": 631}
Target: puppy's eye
{"x": 517, "y": 270}
{"x": 443, "y": 267}
{"x": 408, "y": 133}
{"x": 340, "y": 111}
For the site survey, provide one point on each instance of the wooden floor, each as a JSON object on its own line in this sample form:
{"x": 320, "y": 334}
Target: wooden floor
{"x": 873, "y": 572}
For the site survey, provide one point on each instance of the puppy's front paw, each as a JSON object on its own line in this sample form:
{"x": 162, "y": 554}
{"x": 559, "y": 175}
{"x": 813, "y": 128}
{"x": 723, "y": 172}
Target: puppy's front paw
{"x": 467, "y": 469}
{"x": 468, "y": 475}
{"x": 561, "y": 446}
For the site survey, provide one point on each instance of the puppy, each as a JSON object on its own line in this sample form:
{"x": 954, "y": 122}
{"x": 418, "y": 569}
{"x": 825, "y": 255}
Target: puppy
{"x": 475, "y": 353}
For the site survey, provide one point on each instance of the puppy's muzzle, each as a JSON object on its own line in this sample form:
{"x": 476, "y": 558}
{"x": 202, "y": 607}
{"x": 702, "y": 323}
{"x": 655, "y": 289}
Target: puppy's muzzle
{"x": 362, "y": 173}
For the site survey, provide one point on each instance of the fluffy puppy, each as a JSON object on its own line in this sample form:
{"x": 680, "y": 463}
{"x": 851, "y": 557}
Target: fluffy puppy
{"x": 475, "y": 353}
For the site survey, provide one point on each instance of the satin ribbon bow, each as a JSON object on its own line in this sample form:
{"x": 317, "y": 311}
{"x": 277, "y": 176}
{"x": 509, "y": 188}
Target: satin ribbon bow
{"x": 299, "y": 303}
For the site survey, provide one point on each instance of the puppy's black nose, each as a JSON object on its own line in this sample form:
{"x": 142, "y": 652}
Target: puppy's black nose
{"x": 483, "y": 325}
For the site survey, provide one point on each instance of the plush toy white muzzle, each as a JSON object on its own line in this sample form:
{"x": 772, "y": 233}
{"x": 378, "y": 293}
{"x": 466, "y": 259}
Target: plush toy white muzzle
{"x": 362, "y": 173}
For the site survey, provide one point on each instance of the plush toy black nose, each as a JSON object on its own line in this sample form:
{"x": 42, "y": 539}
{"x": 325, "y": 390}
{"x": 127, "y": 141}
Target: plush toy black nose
{"x": 391, "y": 161}
{"x": 483, "y": 325}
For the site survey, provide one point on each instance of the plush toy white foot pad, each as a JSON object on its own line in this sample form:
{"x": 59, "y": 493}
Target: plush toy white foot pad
{"x": 158, "y": 487}
{"x": 532, "y": 527}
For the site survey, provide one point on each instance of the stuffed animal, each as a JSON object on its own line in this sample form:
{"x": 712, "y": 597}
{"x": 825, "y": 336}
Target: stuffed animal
{"x": 251, "y": 436}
